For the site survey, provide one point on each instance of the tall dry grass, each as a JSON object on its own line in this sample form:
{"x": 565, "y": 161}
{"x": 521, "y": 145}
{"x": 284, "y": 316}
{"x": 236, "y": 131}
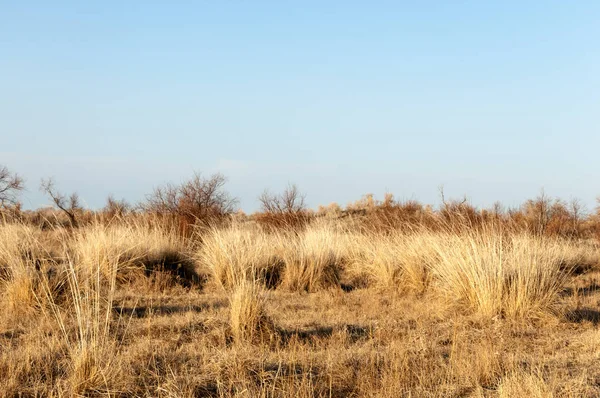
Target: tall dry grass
{"x": 249, "y": 321}
{"x": 133, "y": 248}
{"x": 522, "y": 384}
{"x": 397, "y": 261}
{"x": 515, "y": 275}
{"x": 484, "y": 270}
{"x": 87, "y": 326}
{"x": 72, "y": 290}
{"x": 22, "y": 262}
{"x": 314, "y": 257}
{"x": 304, "y": 260}
{"x": 328, "y": 342}
{"x": 238, "y": 253}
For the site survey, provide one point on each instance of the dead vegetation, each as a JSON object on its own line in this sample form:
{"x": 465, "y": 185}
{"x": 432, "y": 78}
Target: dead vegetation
{"x": 380, "y": 299}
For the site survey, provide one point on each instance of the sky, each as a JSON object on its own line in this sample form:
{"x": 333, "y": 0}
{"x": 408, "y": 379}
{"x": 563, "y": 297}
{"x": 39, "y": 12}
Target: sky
{"x": 492, "y": 100}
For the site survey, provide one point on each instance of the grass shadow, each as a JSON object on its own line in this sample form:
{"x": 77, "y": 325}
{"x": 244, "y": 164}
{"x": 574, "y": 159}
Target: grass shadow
{"x": 584, "y": 315}
{"x": 145, "y": 311}
{"x": 581, "y": 291}
{"x": 181, "y": 268}
{"x": 312, "y": 335}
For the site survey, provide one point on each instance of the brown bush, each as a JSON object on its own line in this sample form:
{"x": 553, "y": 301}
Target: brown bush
{"x": 284, "y": 211}
{"x": 10, "y": 186}
{"x": 115, "y": 209}
{"x": 391, "y": 215}
{"x": 70, "y": 205}
{"x": 198, "y": 201}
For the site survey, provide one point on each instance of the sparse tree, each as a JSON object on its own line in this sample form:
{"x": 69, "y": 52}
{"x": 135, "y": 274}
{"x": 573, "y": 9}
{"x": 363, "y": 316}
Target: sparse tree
{"x": 576, "y": 211}
{"x": 199, "y": 199}
{"x": 69, "y": 205}
{"x": 286, "y": 210}
{"x": 291, "y": 201}
{"x": 116, "y": 208}
{"x": 497, "y": 209}
{"x": 538, "y": 211}
{"x": 10, "y": 186}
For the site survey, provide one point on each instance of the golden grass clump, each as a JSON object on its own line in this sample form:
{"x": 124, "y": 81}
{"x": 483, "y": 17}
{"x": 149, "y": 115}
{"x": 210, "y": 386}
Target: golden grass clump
{"x": 248, "y": 319}
{"x": 18, "y": 243}
{"x": 239, "y": 253}
{"x": 131, "y": 248}
{"x": 374, "y": 260}
{"x": 522, "y": 384}
{"x": 21, "y": 260}
{"x": 313, "y": 258}
{"x": 87, "y": 326}
{"x": 392, "y": 261}
{"x": 494, "y": 274}
{"x": 302, "y": 260}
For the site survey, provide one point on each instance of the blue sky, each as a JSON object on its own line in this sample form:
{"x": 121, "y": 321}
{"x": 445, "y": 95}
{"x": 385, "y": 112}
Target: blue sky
{"x": 494, "y": 100}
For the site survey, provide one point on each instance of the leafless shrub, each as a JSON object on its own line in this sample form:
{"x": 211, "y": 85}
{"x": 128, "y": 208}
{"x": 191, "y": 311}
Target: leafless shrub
{"x": 70, "y": 205}
{"x": 10, "y": 186}
{"x": 553, "y": 217}
{"x": 199, "y": 200}
{"x": 285, "y": 210}
{"x": 115, "y": 208}
{"x": 392, "y": 215}
{"x": 538, "y": 213}
{"x": 290, "y": 201}
{"x": 248, "y": 319}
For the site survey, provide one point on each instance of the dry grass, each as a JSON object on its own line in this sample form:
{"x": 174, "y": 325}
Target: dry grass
{"x": 497, "y": 275}
{"x": 248, "y": 319}
{"x": 86, "y": 323}
{"x": 133, "y": 249}
{"x": 398, "y": 261}
{"x": 522, "y": 384}
{"x": 313, "y": 258}
{"x": 481, "y": 312}
{"x": 299, "y": 261}
{"x": 239, "y": 253}
{"x": 22, "y": 258}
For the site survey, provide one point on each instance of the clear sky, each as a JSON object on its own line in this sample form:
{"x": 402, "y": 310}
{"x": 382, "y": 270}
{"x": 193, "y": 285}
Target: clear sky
{"x": 494, "y": 100}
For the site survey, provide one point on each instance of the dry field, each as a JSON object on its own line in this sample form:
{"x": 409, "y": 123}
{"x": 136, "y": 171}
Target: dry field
{"x": 132, "y": 308}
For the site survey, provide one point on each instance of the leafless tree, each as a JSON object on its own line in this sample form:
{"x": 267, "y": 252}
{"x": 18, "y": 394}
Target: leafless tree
{"x": 576, "y": 210}
{"x": 70, "y": 205}
{"x": 10, "y": 186}
{"x": 116, "y": 208}
{"x": 289, "y": 202}
{"x": 206, "y": 196}
{"x": 199, "y": 199}
{"x": 539, "y": 212}
{"x": 286, "y": 210}
{"x": 497, "y": 209}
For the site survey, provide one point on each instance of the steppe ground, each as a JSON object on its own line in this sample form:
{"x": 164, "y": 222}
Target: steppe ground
{"x": 133, "y": 308}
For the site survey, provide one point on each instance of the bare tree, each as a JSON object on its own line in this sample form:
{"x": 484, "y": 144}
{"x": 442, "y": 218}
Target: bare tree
{"x": 539, "y": 212}
{"x": 199, "y": 199}
{"x": 206, "y": 196}
{"x": 497, "y": 209}
{"x": 576, "y": 210}
{"x": 70, "y": 205}
{"x": 116, "y": 208}
{"x": 289, "y": 202}
{"x": 10, "y": 186}
{"x": 286, "y": 210}
{"x": 163, "y": 200}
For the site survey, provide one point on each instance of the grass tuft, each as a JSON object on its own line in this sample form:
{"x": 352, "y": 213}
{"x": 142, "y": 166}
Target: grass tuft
{"x": 248, "y": 319}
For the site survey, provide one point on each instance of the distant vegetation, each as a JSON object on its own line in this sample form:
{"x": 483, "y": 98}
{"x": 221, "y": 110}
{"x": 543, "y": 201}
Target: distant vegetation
{"x": 183, "y": 295}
